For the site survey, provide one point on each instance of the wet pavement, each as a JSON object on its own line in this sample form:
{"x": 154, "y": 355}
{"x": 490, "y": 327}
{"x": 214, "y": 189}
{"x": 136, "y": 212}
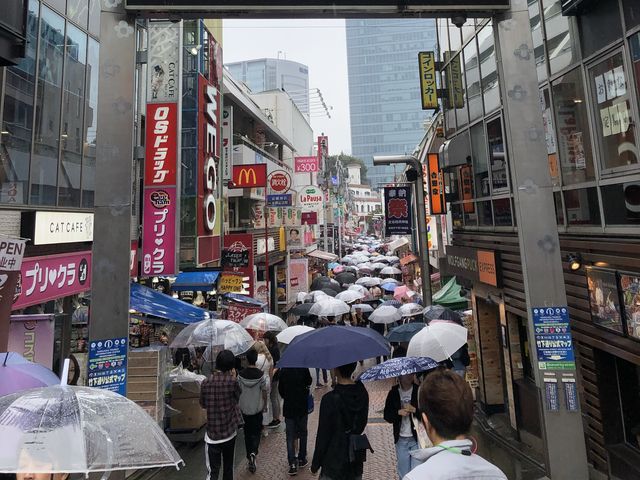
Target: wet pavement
{"x": 272, "y": 459}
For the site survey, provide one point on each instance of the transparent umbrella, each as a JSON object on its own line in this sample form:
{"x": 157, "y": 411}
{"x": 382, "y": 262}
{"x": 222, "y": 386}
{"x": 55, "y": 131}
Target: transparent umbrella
{"x": 65, "y": 429}
{"x": 289, "y": 333}
{"x": 390, "y": 271}
{"x": 349, "y": 296}
{"x": 385, "y": 314}
{"x": 360, "y": 289}
{"x": 438, "y": 341}
{"x": 219, "y": 334}
{"x": 265, "y": 322}
{"x": 410, "y": 309}
{"x": 368, "y": 281}
{"x": 329, "y": 307}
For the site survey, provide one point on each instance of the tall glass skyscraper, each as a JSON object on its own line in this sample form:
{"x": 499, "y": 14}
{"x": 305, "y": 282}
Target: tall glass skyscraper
{"x": 384, "y": 90}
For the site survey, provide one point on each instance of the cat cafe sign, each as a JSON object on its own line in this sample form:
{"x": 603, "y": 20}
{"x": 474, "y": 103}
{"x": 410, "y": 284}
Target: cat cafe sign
{"x": 62, "y": 227}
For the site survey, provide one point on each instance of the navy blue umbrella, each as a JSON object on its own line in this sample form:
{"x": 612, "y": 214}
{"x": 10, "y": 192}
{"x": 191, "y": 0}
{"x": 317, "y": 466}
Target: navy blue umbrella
{"x": 404, "y": 333}
{"x": 398, "y": 366}
{"x": 333, "y": 346}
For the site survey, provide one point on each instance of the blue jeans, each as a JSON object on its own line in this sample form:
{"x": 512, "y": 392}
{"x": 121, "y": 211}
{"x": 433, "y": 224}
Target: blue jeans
{"x": 296, "y": 428}
{"x": 405, "y": 461}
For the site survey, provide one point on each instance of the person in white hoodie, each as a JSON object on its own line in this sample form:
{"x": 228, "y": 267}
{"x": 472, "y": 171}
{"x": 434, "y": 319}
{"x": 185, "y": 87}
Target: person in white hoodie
{"x": 446, "y": 406}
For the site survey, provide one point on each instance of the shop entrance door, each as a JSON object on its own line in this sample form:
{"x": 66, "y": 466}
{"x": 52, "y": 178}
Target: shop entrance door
{"x": 491, "y": 383}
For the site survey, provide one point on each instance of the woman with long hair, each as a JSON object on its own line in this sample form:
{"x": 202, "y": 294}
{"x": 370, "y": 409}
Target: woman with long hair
{"x": 265, "y": 363}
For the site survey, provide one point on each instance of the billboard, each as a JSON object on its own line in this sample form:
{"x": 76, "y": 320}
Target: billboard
{"x": 397, "y": 202}
{"x": 428, "y": 88}
{"x": 238, "y": 260}
{"x": 249, "y": 176}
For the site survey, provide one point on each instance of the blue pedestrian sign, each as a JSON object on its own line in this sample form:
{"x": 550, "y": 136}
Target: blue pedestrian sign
{"x": 553, "y": 338}
{"x": 108, "y": 364}
{"x": 279, "y": 200}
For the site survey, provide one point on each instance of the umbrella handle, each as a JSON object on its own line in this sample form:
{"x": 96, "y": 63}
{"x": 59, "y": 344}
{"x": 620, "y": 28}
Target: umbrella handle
{"x": 64, "y": 377}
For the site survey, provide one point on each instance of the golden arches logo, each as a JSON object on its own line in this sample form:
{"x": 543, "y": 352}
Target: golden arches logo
{"x": 244, "y": 175}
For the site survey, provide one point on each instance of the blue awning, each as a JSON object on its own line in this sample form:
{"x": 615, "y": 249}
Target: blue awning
{"x": 193, "y": 281}
{"x": 151, "y": 302}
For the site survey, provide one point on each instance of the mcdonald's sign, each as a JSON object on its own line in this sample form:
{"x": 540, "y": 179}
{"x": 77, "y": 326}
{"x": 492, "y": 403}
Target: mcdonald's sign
{"x": 249, "y": 176}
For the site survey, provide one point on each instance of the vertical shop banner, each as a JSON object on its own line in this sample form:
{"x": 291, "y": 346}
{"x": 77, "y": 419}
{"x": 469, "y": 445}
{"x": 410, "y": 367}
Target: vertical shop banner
{"x": 453, "y": 75}
{"x": 323, "y": 148}
{"x": 466, "y": 188}
{"x": 32, "y": 337}
{"x": 397, "y": 201}
{"x": 436, "y": 187}
{"x": 297, "y": 278}
{"x": 161, "y": 149}
{"x": 163, "y": 61}
{"x": 428, "y": 88}
{"x": 108, "y": 364}
{"x": 306, "y": 164}
{"x": 159, "y": 235}
{"x": 11, "y": 254}
{"x": 227, "y": 142}
{"x": 49, "y": 277}
{"x": 237, "y": 257}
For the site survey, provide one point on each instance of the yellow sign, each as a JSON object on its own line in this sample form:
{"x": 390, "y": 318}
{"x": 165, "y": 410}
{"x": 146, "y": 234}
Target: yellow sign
{"x": 454, "y": 81}
{"x": 428, "y": 87}
{"x": 230, "y": 283}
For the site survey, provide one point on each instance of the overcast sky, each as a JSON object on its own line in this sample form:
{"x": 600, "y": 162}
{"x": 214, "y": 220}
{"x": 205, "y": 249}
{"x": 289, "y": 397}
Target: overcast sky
{"x": 320, "y": 44}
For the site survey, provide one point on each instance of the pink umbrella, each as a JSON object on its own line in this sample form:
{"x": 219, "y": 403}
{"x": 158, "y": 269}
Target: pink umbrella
{"x": 338, "y": 269}
{"x": 400, "y": 291}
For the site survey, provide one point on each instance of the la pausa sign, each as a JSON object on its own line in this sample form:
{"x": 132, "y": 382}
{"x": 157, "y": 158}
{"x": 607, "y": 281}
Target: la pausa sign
{"x": 310, "y": 198}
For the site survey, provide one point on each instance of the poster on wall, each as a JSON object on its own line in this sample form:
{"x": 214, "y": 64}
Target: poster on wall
{"x": 397, "y": 201}
{"x": 32, "y": 337}
{"x": 297, "y": 277}
{"x": 238, "y": 248}
{"x": 604, "y": 299}
{"x": 630, "y": 289}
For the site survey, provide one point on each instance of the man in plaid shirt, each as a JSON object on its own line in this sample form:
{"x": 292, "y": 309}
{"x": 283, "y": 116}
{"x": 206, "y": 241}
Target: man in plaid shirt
{"x": 219, "y": 395}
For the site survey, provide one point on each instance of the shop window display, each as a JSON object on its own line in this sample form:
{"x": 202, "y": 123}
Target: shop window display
{"x": 615, "y": 131}
{"x": 582, "y": 206}
{"x": 604, "y": 299}
{"x": 630, "y": 291}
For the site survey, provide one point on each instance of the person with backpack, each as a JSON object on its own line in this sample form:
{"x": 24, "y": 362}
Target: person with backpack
{"x": 253, "y": 402}
{"x": 339, "y": 452}
{"x": 293, "y": 386}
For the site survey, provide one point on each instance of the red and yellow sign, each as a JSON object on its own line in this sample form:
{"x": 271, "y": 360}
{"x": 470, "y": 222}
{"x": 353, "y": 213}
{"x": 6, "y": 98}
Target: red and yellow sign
{"x": 466, "y": 189}
{"x": 249, "y": 176}
{"x": 436, "y": 187}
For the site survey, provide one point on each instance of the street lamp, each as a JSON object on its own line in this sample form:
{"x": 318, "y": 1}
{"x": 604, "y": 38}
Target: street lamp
{"x": 422, "y": 217}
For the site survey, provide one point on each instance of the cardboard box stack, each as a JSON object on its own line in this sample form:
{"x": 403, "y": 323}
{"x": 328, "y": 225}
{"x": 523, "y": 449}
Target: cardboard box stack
{"x": 146, "y": 378}
{"x": 185, "y": 397}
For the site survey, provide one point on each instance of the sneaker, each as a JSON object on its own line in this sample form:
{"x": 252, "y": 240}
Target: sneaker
{"x": 252, "y": 463}
{"x": 274, "y": 424}
{"x": 302, "y": 462}
{"x": 293, "y": 469}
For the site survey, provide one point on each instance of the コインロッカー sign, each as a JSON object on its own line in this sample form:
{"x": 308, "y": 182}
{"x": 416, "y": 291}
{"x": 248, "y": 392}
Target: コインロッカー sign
{"x": 477, "y": 265}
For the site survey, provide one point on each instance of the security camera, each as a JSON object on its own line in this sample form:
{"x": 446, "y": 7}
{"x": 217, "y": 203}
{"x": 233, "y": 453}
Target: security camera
{"x": 459, "y": 20}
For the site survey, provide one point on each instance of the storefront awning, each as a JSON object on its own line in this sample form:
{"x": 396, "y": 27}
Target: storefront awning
{"x": 449, "y": 296}
{"x": 151, "y": 302}
{"x": 203, "y": 280}
{"x": 329, "y": 257}
{"x": 400, "y": 242}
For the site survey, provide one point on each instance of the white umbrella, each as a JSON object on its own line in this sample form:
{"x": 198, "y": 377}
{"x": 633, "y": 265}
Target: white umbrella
{"x": 390, "y": 271}
{"x": 290, "y": 333}
{"x": 369, "y": 281}
{"x": 410, "y": 309}
{"x": 378, "y": 266}
{"x": 385, "y": 314}
{"x": 263, "y": 322}
{"x": 393, "y": 258}
{"x": 301, "y": 296}
{"x": 349, "y": 296}
{"x": 329, "y": 307}
{"x": 438, "y": 341}
{"x": 364, "y": 307}
{"x": 360, "y": 289}
{"x": 315, "y": 295}
{"x": 221, "y": 334}
{"x": 66, "y": 429}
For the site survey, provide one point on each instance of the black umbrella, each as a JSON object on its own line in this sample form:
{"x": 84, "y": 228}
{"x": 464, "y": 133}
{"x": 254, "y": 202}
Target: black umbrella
{"x": 321, "y": 282}
{"x": 301, "y": 309}
{"x": 351, "y": 269}
{"x": 329, "y": 291}
{"x": 439, "y": 312}
{"x": 346, "y": 277}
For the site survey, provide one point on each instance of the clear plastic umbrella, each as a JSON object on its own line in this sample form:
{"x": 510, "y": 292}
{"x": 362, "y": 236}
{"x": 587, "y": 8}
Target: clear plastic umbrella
{"x": 360, "y": 289}
{"x": 363, "y": 307}
{"x": 315, "y": 296}
{"x": 385, "y": 314}
{"x": 390, "y": 271}
{"x": 65, "y": 429}
{"x": 410, "y": 309}
{"x": 369, "y": 281}
{"x": 219, "y": 334}
{"x": 264, "y": 322}
{"x": 349, "y": 296}
{"x": 329, "y": 307}
{"x": 438, "y": 341}
{"x": 290, "y": 333}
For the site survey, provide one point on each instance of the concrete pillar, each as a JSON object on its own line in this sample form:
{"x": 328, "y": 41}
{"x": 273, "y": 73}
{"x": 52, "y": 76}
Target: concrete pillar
{"x": 537, "y": 231}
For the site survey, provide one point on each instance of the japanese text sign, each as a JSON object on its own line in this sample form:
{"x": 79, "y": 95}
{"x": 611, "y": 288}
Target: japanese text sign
{"x": 306, "y": 164}
{"x": 108, "y": 365}
{"x": 436, "y": 187}
{"x": 11, "y": 253}
{"x": 323, "y": 147}
{"x": 32, "y": 337}
{"x": 553, "y": 338}
{"x": 230, "y": 283}
{"x": 397, "y": 201}
{"x": 466, "y": 188}
{"x": 237, "y": 260}
{"x": 454, "y": 81}
{"x": 46, "y": 278}
{"x": 161, "y": 144}
{"x": 236, "y": 312}
{"x": 159, "y": 234}
{"x": 428, "y": 88}
{"x": 249, "y": 176}
{"x": 279, "y": 200}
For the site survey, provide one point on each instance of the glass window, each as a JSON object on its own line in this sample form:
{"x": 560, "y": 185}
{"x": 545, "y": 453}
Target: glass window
{"x": 634, "y": 43}
{"x": 457, "y": 89}
{"x": 456, "y": 214}
{"x": 484, "y": 214}
{"x": 480, "y": 161}
{"x": 72, "y": 137}
{"x": 557, "y": 200}
{"x": 443, "y": 37}
{"x": 631, "y": 9}
{"x": 451, "y": 185}
{"x": 497, "y": 156}
{"x": 629, "y": 384}
{"x": 574, "y": 143}
{"x": 90, "y": 124}
{"x": 599, "y": 26}
{"x": 582, "y": 206}
{"x": 78, "y": 11}
{"x": 549, "y": 136}
{"x": 470, "y": 214}
{"x": 502, "y": 212}
{"x": 488, "y": 69}
{"x": 621, "y": 203}
{"x": 44, "y": 164}
{"x": 17, "y": 121}
{"x": 615, "y": 131}
{"x": 57, "y": 4}
{"x": 535, "y": 20}
{"x": 455, "y": 39}
{"x": 474, "y": 90}
{"x": 94, "y": 17}
{"x": 561, "y": 37}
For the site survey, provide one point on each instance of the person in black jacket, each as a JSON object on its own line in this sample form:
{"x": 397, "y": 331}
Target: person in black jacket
{"x": 343, "y": 411}
{"x": 401, "y": 404}
{"x": 293, "y": 386}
